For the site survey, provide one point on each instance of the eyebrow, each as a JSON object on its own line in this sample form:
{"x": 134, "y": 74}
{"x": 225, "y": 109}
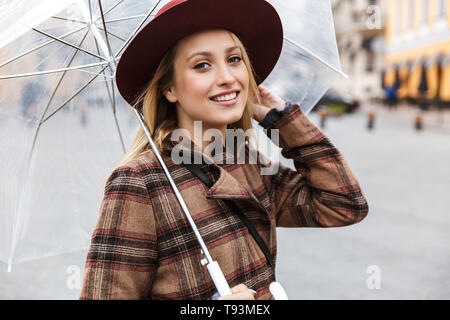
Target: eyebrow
{"x": 209, "y": 54}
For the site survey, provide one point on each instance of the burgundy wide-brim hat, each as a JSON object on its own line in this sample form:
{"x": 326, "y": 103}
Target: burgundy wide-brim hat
{"x": 255, "y": 22}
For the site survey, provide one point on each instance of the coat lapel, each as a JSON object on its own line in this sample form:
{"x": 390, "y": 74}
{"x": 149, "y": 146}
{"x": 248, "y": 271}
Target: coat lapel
{"x": 225, "y": 186}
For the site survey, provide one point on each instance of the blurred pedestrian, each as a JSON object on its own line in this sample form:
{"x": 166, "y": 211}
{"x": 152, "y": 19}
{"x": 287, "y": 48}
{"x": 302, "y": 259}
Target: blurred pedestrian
{"x": 418, "y": 120}
{"x": 391, "y": 96}
{"x": 323, "y": 113}
{"x": 371, "y": 120}
{"x": 30, "y": 92}
{"x": 83, "y": 116}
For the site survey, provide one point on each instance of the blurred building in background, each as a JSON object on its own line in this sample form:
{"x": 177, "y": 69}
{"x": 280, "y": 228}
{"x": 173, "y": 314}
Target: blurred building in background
{"x": 360, "y": 33}
{"x": 418, "y": 50}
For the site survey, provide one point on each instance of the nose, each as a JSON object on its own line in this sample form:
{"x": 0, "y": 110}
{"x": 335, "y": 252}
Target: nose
{"x": 225, "y": 75}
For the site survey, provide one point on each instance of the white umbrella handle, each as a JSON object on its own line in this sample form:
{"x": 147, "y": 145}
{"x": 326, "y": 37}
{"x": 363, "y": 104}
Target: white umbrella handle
{"x": 219, "y": 279}
{"x": 277, "y": 291}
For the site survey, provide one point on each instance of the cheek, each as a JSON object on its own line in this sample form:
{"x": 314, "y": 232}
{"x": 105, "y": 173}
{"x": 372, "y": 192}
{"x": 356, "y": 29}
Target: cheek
{"x": 192, "y": 86}
{"x": 244, "y": 75}
{"x": 244, "y": 78}
{"x": 197, "y": 88}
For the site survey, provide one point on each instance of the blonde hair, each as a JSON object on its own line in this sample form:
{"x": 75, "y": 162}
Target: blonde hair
{"x": 160, "y": 115}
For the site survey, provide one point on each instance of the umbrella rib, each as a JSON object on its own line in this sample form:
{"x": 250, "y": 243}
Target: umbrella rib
{"x": 53, "y": 71}
{"x": 137, "y": 29}
{"x": 126, "y": 18}
{"x": 115, "y": 117}
{"x": 90, "y": 10}
{"x": 67, "y": 43}
{"x": 113, "y": 103}
{"x": 38, "y": 47}
{"x": 110, "y": 9}
{"x": 104, "y": 26}
{"x": 114, "y": 35}
{"x": 75, "y": 94}
{"x": 316, "y": 56}
{"x": 103, "y": 72}
{"x": 67, "y": 19}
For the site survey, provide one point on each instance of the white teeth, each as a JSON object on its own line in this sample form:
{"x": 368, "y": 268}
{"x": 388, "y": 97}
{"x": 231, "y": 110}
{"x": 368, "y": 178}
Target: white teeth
{"x": 227, "y": 97}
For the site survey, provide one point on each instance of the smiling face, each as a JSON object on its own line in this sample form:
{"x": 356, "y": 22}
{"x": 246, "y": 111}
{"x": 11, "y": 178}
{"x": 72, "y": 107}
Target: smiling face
{"x": 210, "y": 82}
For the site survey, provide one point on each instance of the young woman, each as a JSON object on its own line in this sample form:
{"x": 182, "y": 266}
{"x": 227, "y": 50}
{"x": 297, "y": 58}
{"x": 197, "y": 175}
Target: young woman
{"x": 206, "y": 67}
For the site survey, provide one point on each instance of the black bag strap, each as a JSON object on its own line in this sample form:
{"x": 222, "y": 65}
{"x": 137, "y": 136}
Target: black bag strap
{"x": 262, "y": 245}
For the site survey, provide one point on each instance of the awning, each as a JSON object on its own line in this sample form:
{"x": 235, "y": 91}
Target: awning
{"x": 404, "y": 74}
{"x": 389, "y": 76}
{"x": 423, "y": 84}
{"x": 444, "y": 92}
{"x": 434, "y": 75}
{"x": 424, "y": 77}
{"x": 435, "y": 60}
{"x": 418, "y": 63}
{"x": 416, "y": 78}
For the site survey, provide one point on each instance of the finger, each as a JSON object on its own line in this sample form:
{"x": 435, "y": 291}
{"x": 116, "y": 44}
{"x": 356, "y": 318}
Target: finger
{"x": 239, "y": 288}
{"x": 247, "y": 295}
{"x": 262, "y": 90}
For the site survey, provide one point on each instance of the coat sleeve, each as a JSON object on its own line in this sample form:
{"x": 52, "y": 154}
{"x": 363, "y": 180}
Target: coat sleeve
{"x": 122, "y": 258}
{"x": 322, "y": 191}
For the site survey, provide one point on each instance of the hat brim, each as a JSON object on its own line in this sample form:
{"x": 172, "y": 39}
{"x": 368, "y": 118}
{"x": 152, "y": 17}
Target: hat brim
{"x": 255, "y": 22}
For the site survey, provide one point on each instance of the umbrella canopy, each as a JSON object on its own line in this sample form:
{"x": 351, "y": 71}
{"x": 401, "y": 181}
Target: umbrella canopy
{"x": 19, "y": 16}
{"x": 309, "y": 63}
{"x": 64, "y": 128}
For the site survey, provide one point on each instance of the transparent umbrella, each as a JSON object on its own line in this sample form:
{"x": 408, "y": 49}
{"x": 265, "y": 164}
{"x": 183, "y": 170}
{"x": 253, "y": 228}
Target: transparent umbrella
{"x": 64, "y": 127}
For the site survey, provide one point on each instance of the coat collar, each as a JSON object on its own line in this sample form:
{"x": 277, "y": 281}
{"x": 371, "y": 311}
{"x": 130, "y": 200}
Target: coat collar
{"x": 225, "y": 186}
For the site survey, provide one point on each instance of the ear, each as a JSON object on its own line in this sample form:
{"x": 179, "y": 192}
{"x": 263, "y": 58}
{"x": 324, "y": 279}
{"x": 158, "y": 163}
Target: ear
{"x": 170, "y": 95}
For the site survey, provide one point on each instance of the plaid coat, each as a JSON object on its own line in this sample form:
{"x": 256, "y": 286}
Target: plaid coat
{"x": 144, "y": 248}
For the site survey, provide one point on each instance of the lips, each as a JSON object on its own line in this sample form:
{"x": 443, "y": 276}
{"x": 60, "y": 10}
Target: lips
{"x": 227, "y": 103}
{"x": 223, "y": 94}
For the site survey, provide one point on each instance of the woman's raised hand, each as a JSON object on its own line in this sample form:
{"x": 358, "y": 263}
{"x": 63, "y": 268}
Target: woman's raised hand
{"x": 269, "y": 100}
{"x": 240, "y": 292}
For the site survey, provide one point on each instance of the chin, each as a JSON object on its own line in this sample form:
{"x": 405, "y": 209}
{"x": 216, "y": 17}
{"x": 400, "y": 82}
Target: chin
{"x": 226, "y": 119}
{"x": 220, "y": 117}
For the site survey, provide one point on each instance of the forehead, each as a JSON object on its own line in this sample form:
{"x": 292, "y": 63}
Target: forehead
{"x": 210, "y": 40}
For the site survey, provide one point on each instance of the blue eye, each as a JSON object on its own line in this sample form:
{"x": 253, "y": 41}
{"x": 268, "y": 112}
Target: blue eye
{"x": 199, "y": 66}
{"x": 236, "y": 58}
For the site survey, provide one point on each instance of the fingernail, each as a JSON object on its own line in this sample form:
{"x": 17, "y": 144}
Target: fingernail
{"x": 252, "y": 291}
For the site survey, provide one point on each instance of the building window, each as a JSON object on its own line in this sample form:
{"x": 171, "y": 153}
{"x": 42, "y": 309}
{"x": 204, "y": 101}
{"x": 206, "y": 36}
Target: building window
{"x": 411, "y": 14}
{"x": 442, "y": 9}
{"x": 367, "y": 46}
{"x": 425, "y": 6}
{"x": 441, "y": 15}
{"x": 370, "y": 61}
{"x": 398, "y": 16}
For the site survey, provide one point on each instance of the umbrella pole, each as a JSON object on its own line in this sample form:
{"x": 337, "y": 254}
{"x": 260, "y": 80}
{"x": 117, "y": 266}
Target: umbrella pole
{"x": 212, "y": 266}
